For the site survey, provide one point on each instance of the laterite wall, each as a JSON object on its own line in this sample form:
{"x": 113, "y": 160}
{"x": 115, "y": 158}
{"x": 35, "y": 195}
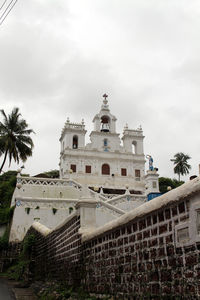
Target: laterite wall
{"x": 145, "y": 256}
{"x": 141, "y": 258}
{"x": 58, "y": 255}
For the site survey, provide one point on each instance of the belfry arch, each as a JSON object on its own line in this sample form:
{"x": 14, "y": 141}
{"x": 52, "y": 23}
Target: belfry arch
{"x": 105, "y": 123}
{"x": 75, "y": 142}
{"x": 134, "y": 147}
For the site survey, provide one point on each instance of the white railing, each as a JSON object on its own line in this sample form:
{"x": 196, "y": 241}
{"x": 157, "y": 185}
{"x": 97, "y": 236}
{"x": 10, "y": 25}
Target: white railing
{"x": 103, "y": 201}
{"x": 110, "y": 207}
{"x": 127, "y": 197}
{"x": 48, "y": 181}
{"x": 110, "y": 196}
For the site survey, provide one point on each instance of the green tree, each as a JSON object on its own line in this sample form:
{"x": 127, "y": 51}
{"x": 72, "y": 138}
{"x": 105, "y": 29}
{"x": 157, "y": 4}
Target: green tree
{"x": 52, "y": 173}
{"x": 49, "y": 174}
{"x": 180, "y": 161}
{"x": 165, "y": 182}
{"x": 15, "y": 140}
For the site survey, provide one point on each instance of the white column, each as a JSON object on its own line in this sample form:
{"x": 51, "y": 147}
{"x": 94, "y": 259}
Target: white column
{"x": 87, "y": 207}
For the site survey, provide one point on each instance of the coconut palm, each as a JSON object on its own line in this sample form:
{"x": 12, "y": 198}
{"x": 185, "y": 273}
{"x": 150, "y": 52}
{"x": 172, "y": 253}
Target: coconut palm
{"x": 15, "y": 140}
{"x": 181, "y": 164}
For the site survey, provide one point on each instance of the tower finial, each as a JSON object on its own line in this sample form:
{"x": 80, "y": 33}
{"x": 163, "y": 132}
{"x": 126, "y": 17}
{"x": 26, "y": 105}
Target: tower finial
{"x": 105, "y": 101}
{"x": 105, "y": 96}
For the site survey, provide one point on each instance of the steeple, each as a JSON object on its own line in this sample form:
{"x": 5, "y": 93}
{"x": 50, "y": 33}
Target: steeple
{"x": 104, "y": 121}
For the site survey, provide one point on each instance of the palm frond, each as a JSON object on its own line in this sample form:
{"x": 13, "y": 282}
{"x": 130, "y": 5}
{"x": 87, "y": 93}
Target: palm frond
{"x": 180, "y": 161}
{"x": 15, "y": 137}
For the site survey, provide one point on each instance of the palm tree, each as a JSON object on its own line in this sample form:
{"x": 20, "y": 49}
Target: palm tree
{"x": 181, "y": 164}
{"x": 15, "y": 140}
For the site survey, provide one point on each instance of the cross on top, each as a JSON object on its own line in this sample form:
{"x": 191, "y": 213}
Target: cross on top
{"x": 105, "y": 96}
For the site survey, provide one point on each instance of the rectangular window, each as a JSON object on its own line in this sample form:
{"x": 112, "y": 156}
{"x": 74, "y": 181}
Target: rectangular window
{"x": 123, "y": 172}
{"x": 154, "y": 184}
{"x": 183, "y": 235}
{"x": 137, "y": 173}
{"x": 87, "y": 169}
{"x": 73, "y": 168}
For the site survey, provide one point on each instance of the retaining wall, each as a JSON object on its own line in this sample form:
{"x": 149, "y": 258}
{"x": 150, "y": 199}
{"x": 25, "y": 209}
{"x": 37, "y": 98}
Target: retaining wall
{"x": 154, "y": 250}
{"x": 141, "y": 258}
{"x": 58, "y": 254}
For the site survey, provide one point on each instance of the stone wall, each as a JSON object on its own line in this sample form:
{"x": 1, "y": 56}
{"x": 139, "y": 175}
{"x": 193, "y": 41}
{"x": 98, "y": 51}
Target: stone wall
{"x": 153, "y": 250}
{"x": 141, "y": 257}
{"x": 58, "y": 254}
{"x": 9, "y": 255}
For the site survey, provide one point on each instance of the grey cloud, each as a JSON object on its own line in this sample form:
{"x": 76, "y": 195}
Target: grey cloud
{"x": 59, "y": 57}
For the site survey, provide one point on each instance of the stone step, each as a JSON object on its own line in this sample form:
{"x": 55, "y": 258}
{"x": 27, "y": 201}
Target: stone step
{"x": 24, "y": 294}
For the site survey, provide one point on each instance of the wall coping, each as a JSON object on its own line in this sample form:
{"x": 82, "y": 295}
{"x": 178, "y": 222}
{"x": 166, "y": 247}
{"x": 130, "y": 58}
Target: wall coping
{"x": 40, "y": 199}
{"x": 41, "y": 228}
{"x": 71, "y": 216}
{"x": 180, "y": 193}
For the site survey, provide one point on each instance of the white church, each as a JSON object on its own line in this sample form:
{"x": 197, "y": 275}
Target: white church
{"x": 108, "y": 169}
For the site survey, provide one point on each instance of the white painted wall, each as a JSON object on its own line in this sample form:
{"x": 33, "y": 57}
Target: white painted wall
{"x": 23, "y": 221}
{"x": 94, "y": 154}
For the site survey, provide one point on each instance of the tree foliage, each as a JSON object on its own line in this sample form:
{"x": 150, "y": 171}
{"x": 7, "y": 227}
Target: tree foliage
{"x": 181, "y": 166}
{"x": 15, "y": 140}
{"x": 49, "y": 174}
{"x": 7, "y": 186}
{"x": 53, "y": 174}
{"x": 165, "y": 182}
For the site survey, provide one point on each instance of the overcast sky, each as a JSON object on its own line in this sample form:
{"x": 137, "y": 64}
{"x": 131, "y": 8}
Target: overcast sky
{"x": 57, "y": 59}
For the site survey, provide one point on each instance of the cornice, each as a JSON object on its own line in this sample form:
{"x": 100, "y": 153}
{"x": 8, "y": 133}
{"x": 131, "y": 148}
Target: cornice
{"x": 94, "y": 154}
{"x": 104, "y": 134}
{"x": 73, "y": 130}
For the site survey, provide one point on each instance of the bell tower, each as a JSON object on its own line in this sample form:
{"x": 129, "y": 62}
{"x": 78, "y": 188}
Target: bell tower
{"x": 104, "y": 121}
{"x": 104, "y": 136}
{"x": 133, "y": 140}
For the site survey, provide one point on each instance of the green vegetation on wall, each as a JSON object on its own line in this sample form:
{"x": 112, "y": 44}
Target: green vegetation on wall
{"x": 20, "y": 270}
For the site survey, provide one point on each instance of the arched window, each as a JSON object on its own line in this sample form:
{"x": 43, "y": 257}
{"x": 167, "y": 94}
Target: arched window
{"x": 105, "y": 169}
{"x": 123, "y": 172}
{"x": 75, "y": 142}
{"x": 105, "y": 123}
{"x": 134, "y": 144}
